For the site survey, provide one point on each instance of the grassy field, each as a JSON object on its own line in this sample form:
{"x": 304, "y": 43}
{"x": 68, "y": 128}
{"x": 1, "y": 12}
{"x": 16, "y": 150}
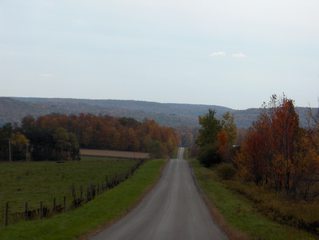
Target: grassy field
{"x": 240, "y": 213}
{"x": 33, "y": 182}
{"x": 102, "y": 210}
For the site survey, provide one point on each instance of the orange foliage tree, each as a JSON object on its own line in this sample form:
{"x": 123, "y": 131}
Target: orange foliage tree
{"x": 278, "y": 152}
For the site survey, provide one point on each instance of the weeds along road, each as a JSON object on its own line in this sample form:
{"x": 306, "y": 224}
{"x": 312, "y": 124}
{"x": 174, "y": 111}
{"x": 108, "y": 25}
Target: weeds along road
{"x": 173, "y": 210}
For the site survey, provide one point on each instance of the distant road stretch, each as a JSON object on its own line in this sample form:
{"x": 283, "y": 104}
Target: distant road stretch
{"x": 173, "y": 210}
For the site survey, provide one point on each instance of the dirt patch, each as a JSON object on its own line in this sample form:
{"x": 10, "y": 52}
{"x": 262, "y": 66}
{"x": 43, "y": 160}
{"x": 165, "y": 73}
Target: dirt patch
{"x": 114, "y": 154}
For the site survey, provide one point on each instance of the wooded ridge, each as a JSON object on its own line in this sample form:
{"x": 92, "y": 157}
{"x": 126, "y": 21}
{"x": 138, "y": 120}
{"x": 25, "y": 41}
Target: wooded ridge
{"x": 13, "y": 109}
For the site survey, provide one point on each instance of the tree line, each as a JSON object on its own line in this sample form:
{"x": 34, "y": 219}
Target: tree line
{"x": 59, "y": 137}
{"x": 275, "y": 151}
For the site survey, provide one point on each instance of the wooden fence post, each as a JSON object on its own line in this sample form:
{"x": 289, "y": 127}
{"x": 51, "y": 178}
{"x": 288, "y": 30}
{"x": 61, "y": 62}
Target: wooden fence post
{"x": 64, "y": 203}
{"x": 91, "y": 191}
{"x": 26, "y": 210}
{"x": 73, "y": 194}
{"x": 106, "y": 182}
{"x": 6, "y": 214}
{"x": 41, "y": 210}
{"x": 54, "y": 205}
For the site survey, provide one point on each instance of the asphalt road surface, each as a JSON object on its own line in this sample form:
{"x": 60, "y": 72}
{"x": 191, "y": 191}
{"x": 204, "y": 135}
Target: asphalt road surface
{"x": 173, "y": 210}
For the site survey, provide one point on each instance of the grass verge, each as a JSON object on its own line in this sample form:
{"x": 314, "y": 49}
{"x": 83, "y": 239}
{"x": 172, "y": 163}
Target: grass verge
{"x": 240, "y": 213}
{"x": 104, "y": 209}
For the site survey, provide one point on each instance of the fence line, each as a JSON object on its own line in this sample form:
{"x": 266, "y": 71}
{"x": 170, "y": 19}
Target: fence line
{"x": 77, "y": 200}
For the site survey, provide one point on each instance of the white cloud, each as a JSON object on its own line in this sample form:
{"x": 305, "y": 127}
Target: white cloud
{"x": 224, "y": 54}
{"x": 239, "y": 55}
{"x": 218, "y": 54}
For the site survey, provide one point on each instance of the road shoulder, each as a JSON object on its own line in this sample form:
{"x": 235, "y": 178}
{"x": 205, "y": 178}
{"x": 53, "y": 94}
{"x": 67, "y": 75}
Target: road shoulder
{"x": 236, "y": 215}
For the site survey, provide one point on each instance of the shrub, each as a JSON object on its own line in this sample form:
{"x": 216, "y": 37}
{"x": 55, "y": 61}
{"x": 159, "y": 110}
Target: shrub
{"x": 209, "y": 156}
{"x": 226, "y": 171}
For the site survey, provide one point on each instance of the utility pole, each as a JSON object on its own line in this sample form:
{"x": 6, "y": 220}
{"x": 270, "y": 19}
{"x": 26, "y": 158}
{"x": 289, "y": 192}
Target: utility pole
{"x": 10, "y": 154}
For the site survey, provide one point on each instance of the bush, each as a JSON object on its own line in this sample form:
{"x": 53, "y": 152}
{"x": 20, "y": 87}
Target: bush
{"x": 226, "y": 171}
{"x": 209, "y": 156}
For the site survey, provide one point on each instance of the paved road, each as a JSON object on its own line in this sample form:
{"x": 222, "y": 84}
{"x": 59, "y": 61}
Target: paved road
{"x": 173, "y": 210}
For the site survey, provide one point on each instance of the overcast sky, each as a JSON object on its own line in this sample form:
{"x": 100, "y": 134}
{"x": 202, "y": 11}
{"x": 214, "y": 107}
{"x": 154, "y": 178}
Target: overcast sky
{"x": 230, "y": 52}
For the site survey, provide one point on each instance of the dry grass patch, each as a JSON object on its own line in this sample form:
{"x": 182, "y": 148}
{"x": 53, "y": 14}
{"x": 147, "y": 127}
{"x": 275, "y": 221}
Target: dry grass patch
{"x": 114, "y": 154}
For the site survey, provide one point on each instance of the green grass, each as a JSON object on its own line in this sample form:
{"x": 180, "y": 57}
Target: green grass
{"x": 102, "y": 210}
{"x": 240, "y": 213}
{"x": 294, "y": 212}
{"x": 33, "y": 182}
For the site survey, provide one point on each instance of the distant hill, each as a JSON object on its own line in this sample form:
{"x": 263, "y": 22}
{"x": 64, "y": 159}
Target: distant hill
{"x": 13, "y": 109}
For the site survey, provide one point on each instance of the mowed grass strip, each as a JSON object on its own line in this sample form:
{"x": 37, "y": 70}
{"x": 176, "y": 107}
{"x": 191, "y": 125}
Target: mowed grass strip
{"x": 33, "y": 182}
{"x": 104, "y": 209}
{"x": 240, "y": 213}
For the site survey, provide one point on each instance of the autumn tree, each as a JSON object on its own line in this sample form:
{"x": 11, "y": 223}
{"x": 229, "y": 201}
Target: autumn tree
{"x": 207, "y": 139}
{"x": 278, "y": 152}
{"x": 19, "y": 146}
{"x": 306, "y": 179}
{"x": 254, "y": 159}
{"x": 13, "y": 143}
{"x": 66, "y": 146}
{"x": 5, "y": 135}
{"x": 285, "y": 138}
{"x": 227, "y": 136}
{"x": 305, "y": 171}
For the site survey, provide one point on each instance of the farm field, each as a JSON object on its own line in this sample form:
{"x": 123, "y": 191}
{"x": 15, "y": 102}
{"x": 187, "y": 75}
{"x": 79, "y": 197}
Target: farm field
{"x": 34, "y": 182}
{"x": 101, "y": 211}
{"x": 115, "y": 154}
